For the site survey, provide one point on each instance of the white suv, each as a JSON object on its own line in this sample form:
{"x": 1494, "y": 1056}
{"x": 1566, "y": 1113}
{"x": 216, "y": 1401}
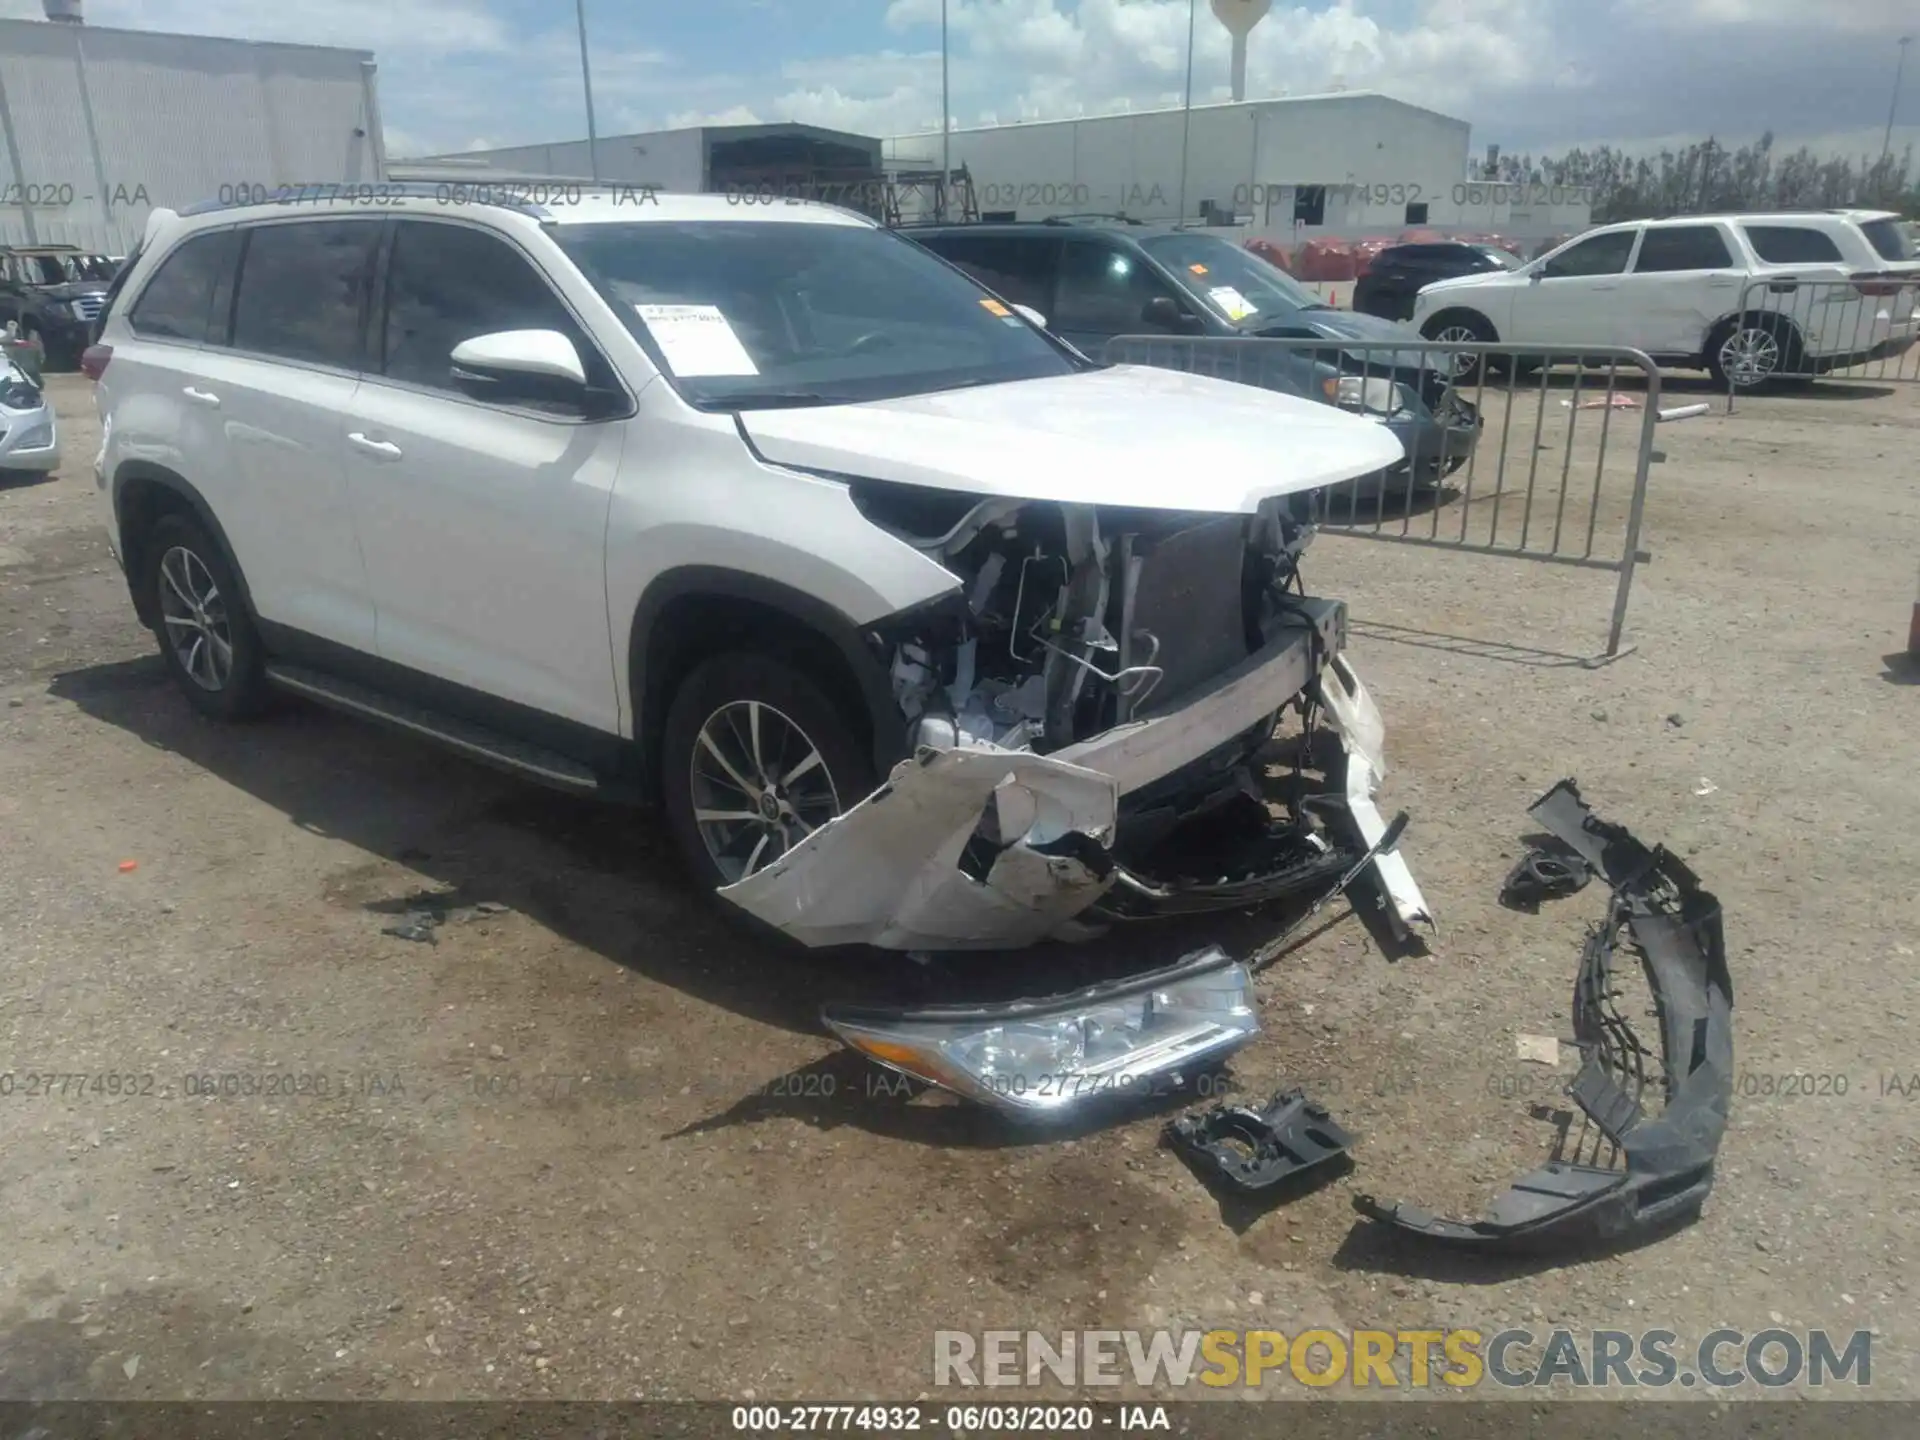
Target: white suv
{"x": 743, "y": 509}
{"x": 1675, "y": 288}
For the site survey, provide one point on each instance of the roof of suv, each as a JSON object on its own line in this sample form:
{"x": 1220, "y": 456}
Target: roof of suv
{"x": 567, "y": 202}
{"x": 1106, "y": 224}
{"x": 1765, "y": 217}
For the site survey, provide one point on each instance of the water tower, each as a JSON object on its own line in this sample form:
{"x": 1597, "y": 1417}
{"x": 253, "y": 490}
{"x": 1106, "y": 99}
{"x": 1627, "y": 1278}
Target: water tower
{"x": 1240, "y": 16}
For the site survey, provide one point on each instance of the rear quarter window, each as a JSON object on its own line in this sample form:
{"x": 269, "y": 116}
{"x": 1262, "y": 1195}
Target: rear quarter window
{"x": 1792, "y": 245}
{"x": 1888, "y": 238}
{"x": 185, "y": 300}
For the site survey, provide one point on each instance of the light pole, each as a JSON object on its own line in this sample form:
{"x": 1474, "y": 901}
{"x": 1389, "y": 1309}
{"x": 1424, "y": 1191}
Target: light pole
{"x": 586, "y": 84}
{"x": 1893, "y": 105}
{"x": 946, "y": 117}
{"x": 1186, "y": 120}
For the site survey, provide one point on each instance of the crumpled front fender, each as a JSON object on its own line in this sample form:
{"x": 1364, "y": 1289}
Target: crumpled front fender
{"x": 889, "y": 872}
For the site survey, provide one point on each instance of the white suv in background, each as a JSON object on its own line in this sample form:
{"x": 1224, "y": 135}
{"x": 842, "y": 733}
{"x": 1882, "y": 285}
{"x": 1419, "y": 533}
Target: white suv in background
{"x": 744, "y": 509}
{"x": 1675, "y": 288}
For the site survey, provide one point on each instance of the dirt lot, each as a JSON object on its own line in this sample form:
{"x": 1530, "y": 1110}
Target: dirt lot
{"x": 556, "y": 1153}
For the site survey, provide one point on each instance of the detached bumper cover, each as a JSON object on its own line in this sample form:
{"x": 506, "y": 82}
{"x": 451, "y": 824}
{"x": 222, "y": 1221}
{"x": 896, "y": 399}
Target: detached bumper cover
{"x": 983, "y": 848}
{"x": 1658, "y": 908}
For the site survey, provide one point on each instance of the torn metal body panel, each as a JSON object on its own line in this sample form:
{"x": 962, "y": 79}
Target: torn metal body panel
{"x": 1363, "y": 736}
{"x": 1098, "y": 677}
{"x": 889, "y": 872}
{"x": 1662, "y": 1164}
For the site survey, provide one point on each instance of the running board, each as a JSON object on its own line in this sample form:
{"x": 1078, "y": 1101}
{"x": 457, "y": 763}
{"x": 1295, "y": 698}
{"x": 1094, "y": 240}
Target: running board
{"x": 489, "y": 747}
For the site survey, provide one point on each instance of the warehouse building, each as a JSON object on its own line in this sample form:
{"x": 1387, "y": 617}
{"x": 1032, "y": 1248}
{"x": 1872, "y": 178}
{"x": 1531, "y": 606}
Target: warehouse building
{"x": 1350, "y": 164}
{"x": 712, "y": 159}
{"x": 99, "y": 126}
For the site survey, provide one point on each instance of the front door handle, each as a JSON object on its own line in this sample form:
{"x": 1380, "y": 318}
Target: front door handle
{"x": 380, "y": 449}
{"x": 202, "y": 397}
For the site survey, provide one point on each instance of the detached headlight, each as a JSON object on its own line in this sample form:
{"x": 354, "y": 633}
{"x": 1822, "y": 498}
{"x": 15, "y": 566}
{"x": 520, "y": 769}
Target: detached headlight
{"x": 1377, "y": 399}
{"x": 1037, "y": 1058}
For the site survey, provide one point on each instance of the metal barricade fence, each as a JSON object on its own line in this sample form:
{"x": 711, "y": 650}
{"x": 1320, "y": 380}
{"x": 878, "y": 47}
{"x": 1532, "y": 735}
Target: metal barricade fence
{"x": 1473, "y": 478}
{"x": 1859, "y": 328}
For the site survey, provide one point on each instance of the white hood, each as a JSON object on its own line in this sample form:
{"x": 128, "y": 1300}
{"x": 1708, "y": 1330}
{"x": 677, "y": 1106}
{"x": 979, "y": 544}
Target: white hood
{"x": 1130, "y": 435}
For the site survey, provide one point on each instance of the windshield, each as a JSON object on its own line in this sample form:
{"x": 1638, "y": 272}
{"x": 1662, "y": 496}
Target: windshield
{"x": 767, "y": 314}
{"x": 1230, "y": 281}
{"x": 42, "y": 269}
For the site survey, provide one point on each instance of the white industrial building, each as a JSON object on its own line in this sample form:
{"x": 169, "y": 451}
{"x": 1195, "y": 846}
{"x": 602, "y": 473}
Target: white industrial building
{"x": 97, "y": 126}
{"x": 696, "y": 159}
{"x": 1349, "y": 164}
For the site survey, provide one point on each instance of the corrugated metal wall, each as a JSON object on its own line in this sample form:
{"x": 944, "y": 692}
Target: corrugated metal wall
{"x": 98, "y": 126}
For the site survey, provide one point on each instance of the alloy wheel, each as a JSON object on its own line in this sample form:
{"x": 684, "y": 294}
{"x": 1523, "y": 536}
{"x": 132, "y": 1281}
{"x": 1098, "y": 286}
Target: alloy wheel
{"x": 1750, "y": 356}
{"x": 1458, "y": 365}
{"x": 759, "y": 787}
{"x": 194, "y": 614}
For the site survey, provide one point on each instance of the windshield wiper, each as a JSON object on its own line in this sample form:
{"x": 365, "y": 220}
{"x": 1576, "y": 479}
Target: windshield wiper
{"x": 773, "y": 400}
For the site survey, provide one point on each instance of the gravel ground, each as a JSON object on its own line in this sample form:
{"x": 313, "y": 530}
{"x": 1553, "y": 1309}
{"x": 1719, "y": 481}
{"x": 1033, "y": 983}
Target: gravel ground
{"x": 580, "y": 1146}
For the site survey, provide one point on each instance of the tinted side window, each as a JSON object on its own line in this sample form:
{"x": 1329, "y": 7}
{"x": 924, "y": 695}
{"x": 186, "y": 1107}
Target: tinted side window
{"x": 179, "y": 301}
{"x": 1103, "y": 290}
{"x": 1889, "y": 241}
{"x": 448, "y": 283}
{"x": 1682, "y": 247}
{"x": 303, "y": 289}
{"x": 1602, "y": 255}
{"x": 1791, "y": 244}
{"x": 1020, "y": 267}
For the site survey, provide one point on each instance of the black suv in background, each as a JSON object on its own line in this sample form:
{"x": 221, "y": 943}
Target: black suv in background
{"x": 1095, "y": 279}
{"x": 1396, "y": 275}
{"x": 54, "y": 293}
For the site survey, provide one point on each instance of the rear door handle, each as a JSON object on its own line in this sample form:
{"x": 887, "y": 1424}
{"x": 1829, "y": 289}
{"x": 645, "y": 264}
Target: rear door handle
{"x": 380, "y": 449}
{"x": 202, "y": 397}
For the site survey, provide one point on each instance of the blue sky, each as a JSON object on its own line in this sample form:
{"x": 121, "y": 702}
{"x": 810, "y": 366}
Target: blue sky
{"x": 1530, "y": 74}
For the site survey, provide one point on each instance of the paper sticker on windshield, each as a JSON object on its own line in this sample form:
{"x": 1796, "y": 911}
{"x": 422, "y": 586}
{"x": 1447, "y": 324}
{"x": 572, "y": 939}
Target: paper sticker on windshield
{"x": 1237, "y": 306}
{"x": 994, "y": 307}
{"x": 697, "y": 340}
{"x": 1197, "y": 268}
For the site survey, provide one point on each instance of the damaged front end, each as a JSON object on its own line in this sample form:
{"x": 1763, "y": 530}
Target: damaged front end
{"x": 1082, "y": 716}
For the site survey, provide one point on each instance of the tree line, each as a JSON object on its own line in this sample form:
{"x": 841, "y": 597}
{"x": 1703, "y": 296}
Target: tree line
{"x": 1709, "y": 177}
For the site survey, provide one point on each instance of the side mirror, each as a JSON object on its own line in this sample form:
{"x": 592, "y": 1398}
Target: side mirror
{"x": 1536, "y": 275}
{"x": 512, "y": 366}
{"x": 1163, "y": 312}
{"x": 1032, "y": 315}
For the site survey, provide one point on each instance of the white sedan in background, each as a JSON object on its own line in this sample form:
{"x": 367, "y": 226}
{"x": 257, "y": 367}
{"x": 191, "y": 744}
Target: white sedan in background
{"x": 29, "y": 440}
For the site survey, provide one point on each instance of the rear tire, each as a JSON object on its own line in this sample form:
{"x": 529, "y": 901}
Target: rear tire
{"x": 206, "y": 636}
{"x": 1462, "y": 327}
{"x": 807, "y": 765}
{"x": 1748, "y": 355}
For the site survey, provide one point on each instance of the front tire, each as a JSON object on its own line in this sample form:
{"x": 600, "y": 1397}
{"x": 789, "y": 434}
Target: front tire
{"x": 754, "y": 757}
{"x": 206, "y": 636}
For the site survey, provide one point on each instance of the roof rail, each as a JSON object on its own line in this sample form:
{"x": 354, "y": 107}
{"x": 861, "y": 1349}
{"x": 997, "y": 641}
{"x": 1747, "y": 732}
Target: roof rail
{"x": 504, "y": 194}
{"x": 1084, "y": 217}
